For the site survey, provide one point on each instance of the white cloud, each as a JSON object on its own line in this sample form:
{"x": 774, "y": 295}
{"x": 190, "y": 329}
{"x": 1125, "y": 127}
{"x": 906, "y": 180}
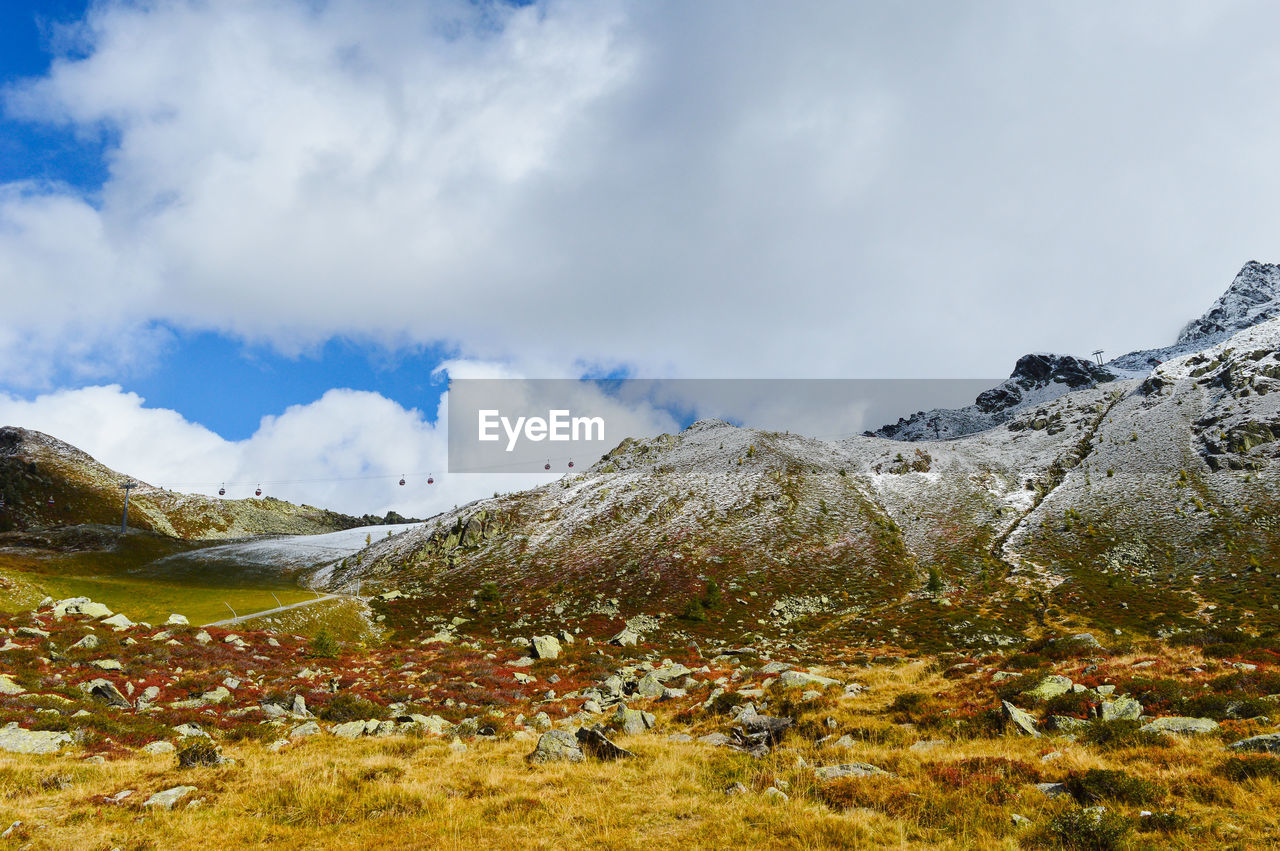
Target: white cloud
{"x": 344, "y": 451}
{"x": 687, "y": 189}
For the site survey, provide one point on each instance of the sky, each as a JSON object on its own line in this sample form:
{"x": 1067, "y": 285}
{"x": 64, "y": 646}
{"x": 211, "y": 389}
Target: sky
{"x": 217, "y": 219}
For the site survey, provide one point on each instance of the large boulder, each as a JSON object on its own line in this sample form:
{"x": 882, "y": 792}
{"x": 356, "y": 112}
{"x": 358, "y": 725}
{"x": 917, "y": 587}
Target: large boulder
{"x": 106, "y": 691}
{"x": 633, "y": 721}
{"x": 9, "y": 687}
{"x": 827, "y": 773}
{"x": 546, "y": 647}
{"x": 594, "y": 742}
{"x": 15, "y": 739}
{"x": 557, "y": 746}
{"x": 1266, "y": 743}
{"x": 1122, "y": 709}
{"x": 626, "y": 638}
{"x": 1182, "y": 726}
{"x": 801, "y": 679}
{"x": 169, "y": 797}
{"x": 771, "y": 728}
{"x": 1018, "y": 721}
{"x": 1049, "y": 688}
{"x": 649, "y": 686}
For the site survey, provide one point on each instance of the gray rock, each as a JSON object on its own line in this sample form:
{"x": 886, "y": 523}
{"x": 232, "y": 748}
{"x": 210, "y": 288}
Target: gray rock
{"x": 776, "y": 795}
{"x": 595, "y": 743}
{"x": 1020, "y": 820}
{"x": 169, "y": 797}
{"x": 1266, "y": 743}
{"x": 772, "y": 728}
{"x": 717, "y": 740}
{"x": 1065, "y": 723}
{"x": 1122, "y": 709}
{"x": 107, "y": 664}
{"x": 159, "y": 747}
{"x": 670, "y": 672}
{"x": 106, "y": 691}
{"x": 1049, "y": 687}
{"x": 1052, "y": 790}
{"x": 118, "y": 622}
{"x": 540, "y": 722}
{"x": 15, "y": 739}
{"x": 557, "y": 746}
{"x": 626, "y": 638}
{"x": 649, "y": 687}
{"x": 798, "y": 679}
{"x": 1020, "y": 721}
{"x": 89, "y": 642}
{"x": 309, "y": 728}
{"x": 774, "y": 667}
{"x": 849, "y": 769}
{"x": 176, "y": 620}
{"x": 1182, "y": 726}
{"x": 633, "y": 721}
{"x": 9, "y": 687}
{"x": 1081, "y": 639}
{"x": 545, "y": 647}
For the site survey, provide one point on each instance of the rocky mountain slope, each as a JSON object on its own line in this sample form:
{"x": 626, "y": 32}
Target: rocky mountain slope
{"x": 1143, "y": 504}
{"x": 35, "y": 468}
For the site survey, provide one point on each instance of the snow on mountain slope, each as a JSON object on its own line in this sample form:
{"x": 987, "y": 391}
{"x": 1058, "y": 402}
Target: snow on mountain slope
{"x": 1037, "y": 378}
{"x": 1253, "y": 297}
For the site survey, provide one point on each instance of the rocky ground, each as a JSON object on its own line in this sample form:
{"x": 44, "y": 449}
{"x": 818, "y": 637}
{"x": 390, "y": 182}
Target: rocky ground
{"x": 115, "y": 727}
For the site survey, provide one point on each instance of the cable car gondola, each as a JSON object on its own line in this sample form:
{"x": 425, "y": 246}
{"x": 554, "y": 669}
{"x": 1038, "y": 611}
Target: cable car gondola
{"x": 570, "y": 463}
{"x": 401, "y": 480}
{"x": 258, "y": 491}
{"x": 222, "y": 490}
{"x": 547, "y": 466}
{"x": 431, "y": 480}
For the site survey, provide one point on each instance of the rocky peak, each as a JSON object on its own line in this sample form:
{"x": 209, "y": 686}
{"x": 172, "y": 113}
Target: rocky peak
{"x": 1253, "y": 297}
{"x": 1035, "y": 371}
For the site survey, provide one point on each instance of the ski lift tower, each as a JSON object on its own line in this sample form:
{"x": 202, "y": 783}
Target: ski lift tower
{"x": 124, "y": 519}
{"x": 1097, "y": 355}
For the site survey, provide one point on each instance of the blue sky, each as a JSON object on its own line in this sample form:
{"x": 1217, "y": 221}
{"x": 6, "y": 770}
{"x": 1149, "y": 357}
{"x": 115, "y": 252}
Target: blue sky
{"x": 210, "y": 378}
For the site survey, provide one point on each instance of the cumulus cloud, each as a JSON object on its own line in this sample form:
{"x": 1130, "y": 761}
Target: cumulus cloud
{"x": 689, "y": 189}
{"x": 345, "y": 451}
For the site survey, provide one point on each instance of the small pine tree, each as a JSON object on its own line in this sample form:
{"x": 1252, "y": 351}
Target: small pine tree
{"x": 694, "y": 611}
{"x": 713, "y": 598}
{"x": 324, "y": 645}
{"x": 368, "y": 539}
{"x": 934, "y": 585}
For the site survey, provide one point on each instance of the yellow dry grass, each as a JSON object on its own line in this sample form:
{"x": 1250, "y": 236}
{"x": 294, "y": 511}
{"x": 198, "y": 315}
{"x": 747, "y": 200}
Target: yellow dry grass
{"x": 406, "y": 793}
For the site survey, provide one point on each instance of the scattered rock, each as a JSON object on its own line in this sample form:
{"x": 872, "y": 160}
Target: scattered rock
{"x": 169, "y": 797}
{"x": 1021, "y": 722}
{"x": 595, "y": 743}
{"x": 545, "y": 647}
{"x": 1049, "y": 687}
{"x": 1182, "y": 726}
{"x": 118, "y": 622}
{"x": 106, "y": 691}
{"x": 776, "y": 795}
{"x": 556, "y": 746}
{"x": 9, "y": 687}
{"x": 309, "y": 728}
{"x": 798, "y": 679}
{"x": 107, "y": 664}
{"x": 159, "y": 747}
{"x": 626, "y": 638}
{"x": 633, "y": 721}
{"x": 1266, "y": 743}
{"x": 1121, "y": 709}
{"x": 89, "y": 642}
{"x": 176, "y": 620}
{"x": 15, "y": 739}
{"x": 849, "y": 769}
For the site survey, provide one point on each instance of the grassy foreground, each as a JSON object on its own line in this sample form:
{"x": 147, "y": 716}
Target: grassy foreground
{"x": 418, "y": 792}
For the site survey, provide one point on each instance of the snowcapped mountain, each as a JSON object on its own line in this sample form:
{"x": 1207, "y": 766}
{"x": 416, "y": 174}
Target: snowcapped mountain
{"x": 1252, "y": 297}
{"x": 1037, "y": 378}
{"x": 1145, "y": 504}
